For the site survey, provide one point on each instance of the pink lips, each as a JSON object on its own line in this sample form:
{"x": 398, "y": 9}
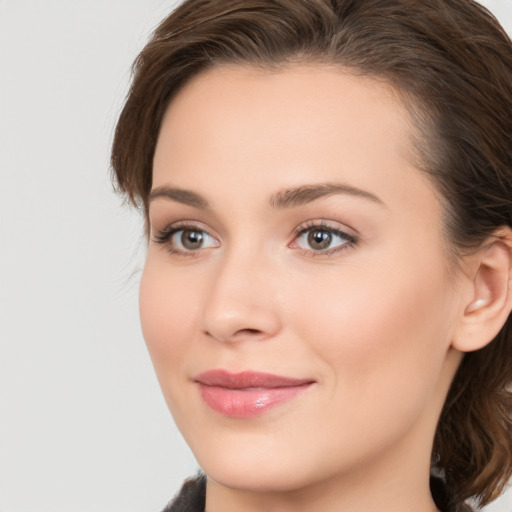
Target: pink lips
{"x": 246, "y": 394}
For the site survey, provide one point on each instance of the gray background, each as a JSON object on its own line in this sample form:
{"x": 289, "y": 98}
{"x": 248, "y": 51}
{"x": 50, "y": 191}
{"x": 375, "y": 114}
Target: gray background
{"x": 83, "y": 426}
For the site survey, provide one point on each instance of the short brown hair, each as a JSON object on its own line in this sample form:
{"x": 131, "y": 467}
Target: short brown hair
{"x": 452, "y": 63}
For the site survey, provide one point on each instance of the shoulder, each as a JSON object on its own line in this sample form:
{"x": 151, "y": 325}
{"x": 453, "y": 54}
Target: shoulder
{"x": 191, "y": 497}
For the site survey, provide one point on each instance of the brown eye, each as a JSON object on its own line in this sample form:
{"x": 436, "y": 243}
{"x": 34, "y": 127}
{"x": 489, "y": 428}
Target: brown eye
{"x": 319, "y": 240}
{"x": 184, "y": 240}
{"x": 322, "y": 239}
{"x": 192, "y": 240}
{"x": 187, "y": 240}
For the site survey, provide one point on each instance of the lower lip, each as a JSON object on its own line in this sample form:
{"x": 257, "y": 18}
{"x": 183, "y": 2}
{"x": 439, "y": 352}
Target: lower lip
{"x": 246, "y": 403}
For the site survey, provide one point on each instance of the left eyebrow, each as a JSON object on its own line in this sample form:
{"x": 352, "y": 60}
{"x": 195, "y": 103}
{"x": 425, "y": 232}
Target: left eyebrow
{"x": 304, "y": 194}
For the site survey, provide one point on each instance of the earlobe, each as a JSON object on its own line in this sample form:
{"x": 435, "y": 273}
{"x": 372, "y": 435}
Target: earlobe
{"x": 491, "y": 301}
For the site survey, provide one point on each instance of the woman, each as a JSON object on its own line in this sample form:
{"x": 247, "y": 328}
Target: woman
{"x": 326, "y": 294}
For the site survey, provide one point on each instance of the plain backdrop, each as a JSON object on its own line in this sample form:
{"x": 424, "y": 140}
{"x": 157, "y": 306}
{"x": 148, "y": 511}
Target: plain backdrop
{"x": 83, "y": 425}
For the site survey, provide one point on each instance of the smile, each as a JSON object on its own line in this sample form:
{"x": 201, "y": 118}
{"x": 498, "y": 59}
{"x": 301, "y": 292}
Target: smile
{"x": 247, "y": 394}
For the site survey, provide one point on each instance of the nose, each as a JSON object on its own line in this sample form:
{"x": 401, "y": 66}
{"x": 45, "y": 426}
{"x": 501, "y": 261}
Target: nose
{"x": 242, "y": 301}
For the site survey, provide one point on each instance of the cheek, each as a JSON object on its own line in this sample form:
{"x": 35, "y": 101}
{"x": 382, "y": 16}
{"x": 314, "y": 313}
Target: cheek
{"x": 380, "y": 340}
{"x": 377, "y": 330}
{"x": 167, "y": 314}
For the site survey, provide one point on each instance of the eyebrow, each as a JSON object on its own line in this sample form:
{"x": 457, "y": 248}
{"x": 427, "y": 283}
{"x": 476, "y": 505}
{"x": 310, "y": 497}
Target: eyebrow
{"x": 304, "y": 194}
{"x": 180, "y": 196}
{"x": 289, "y": 198}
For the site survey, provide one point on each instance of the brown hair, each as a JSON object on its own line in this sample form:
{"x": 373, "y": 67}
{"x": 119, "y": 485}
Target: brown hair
{"x": 452, "y": 63}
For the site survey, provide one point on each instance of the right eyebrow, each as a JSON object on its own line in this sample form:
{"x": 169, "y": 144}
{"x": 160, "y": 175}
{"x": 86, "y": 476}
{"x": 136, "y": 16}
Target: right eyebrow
{"x": 180, "y": 195}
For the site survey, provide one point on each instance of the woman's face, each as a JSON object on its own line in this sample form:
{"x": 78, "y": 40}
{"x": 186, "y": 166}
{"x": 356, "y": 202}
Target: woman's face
{"x": 296, "y": 298}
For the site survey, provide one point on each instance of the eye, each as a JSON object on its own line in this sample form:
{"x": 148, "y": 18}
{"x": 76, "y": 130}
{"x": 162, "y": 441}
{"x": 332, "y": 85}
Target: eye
{"x": 191, "y": 240}
{"x": 185, "y": 240}
{"x": 322, "y": 239}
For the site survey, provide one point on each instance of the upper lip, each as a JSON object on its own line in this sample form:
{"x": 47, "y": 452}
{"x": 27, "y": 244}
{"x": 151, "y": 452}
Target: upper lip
{"x": 247, "y": 379}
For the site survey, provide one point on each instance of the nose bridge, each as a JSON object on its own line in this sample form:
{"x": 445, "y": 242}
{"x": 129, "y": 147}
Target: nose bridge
{"x": 241, "y": 300}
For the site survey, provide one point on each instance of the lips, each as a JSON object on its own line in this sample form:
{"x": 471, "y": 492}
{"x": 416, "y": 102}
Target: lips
{"x": 247, "y": 394}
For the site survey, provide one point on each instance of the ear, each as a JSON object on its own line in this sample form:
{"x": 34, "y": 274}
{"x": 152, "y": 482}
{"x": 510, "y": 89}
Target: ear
{"x": 490, "y": 302}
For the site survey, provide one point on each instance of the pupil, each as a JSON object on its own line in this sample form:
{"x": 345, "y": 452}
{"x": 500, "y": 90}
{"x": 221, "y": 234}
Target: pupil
{"x": 192, "y": 239}
{"x": 319, "y": 239}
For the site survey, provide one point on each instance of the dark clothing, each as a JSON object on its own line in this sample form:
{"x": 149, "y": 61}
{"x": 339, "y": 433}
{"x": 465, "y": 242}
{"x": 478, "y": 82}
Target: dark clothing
{"x": 191, "y": 497}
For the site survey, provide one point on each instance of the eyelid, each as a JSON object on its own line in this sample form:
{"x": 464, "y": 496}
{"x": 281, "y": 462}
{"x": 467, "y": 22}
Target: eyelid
{"x": 163, "y": 237}
{"x": 323, "y": 225}
{"x": 180, "y": 224}
{"x": 326, "y": 225}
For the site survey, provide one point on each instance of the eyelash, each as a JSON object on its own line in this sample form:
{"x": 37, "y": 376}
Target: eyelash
{"x": 351, "y": 240}
{"x": 163, "y": 237}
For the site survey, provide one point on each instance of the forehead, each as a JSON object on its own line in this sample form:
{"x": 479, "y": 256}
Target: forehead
{"x": 278, "y": 128}
{"x": 306, "y": 98}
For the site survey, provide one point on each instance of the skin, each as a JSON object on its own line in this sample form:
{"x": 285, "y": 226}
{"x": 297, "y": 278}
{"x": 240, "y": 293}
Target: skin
{"x": 372, "y": 323}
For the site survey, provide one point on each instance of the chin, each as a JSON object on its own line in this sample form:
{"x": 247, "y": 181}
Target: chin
{"x": 266, "y": 478}
{"x": 253, "y": 464}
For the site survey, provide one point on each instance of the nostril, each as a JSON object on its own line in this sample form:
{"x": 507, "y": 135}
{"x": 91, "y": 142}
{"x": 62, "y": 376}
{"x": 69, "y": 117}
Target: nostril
{"x": 239, "y": 332}
{"x": 248, "y": 331}
{"x": 235, "y": 336}
{"x": 247, "y": 334}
